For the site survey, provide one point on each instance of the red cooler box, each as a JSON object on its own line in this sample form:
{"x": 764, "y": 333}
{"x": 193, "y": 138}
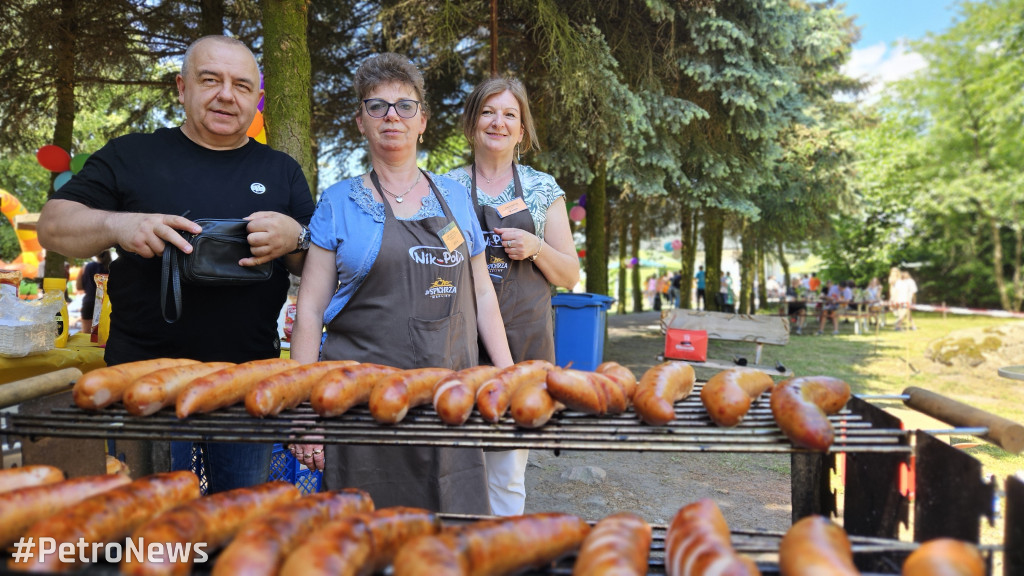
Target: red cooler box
{"x": 686, "y": 345}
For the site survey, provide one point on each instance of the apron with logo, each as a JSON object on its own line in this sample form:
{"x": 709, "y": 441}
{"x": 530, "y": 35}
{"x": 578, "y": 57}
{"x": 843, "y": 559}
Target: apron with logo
{"x": 415, "y": 309}
{"x": 524, "y": 295}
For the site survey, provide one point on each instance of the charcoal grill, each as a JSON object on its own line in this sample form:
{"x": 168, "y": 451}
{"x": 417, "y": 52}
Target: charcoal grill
{"x": 876, "y": 448}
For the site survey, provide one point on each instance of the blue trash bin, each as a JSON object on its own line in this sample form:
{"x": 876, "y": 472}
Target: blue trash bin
{"x": 579, "y": 328}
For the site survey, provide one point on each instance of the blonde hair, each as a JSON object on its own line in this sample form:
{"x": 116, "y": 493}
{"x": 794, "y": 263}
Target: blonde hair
{"x": 490, "y": 87}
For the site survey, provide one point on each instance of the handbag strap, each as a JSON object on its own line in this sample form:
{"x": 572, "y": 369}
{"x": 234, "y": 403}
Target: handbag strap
{"x": 169, "y": 274}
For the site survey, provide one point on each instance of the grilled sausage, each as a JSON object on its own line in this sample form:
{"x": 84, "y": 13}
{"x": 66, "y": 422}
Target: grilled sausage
{"x": 152, "y": 392}
{"x": 698, "y": 542}
{"x": 286, "y": 390}
{"x": 21, "y": 508}
{"x": 492, "y": 547}
{"x": 588, "y": 392}
{"x": 532, "y": 406}
{"x": 361, "y": 544}
{"x": 394, "y": 394}
{"x": 109, "y": 516}
{"x": 619, "y": 545}
{"x": 211, "y": 520}
{"x": 660, "y": 388}
{"x": 455, "y": 395}
{"x": 342, "y": 388}
{"x": 494, "y": 396}
{"x": 619, "y": 373}
{"x": 801, "y": 407}
{"x": 102, "y": 387}
{"x": 945, "y": 557}
{"x": 25, "y": 476}
{"x": 228, "y": 386}
{"x": 728, "y": 395}
{"x": 815, "y": 546}
{"x": 260, "y": 548}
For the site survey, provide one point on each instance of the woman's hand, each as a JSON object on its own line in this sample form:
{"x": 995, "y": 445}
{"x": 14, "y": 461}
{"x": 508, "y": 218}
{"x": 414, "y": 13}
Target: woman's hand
{"x": 519, "y": 244}
{"x": 311, "y": 455}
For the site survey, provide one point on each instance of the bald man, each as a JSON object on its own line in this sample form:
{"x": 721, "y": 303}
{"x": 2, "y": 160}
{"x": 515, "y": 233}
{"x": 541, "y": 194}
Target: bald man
{"x": 132, "y": 194}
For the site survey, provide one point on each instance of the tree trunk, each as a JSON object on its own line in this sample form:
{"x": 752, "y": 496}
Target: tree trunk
{"x": 762, "y": 272}
{"x": 687, "y": 228}
{"x": 634, "y": 251}
{"x": 997, "y": 260}
{"x": 211, "y": 17}
{"x": 286, "y": 66}
{"x": 1018, "y": 256}
{"x": 63, "y": 130}
{"x": 621, "y": 224}
{"x": 785, "y": 265}
{"x": 597, "y": 256}
{"x": 713, "y": 236}
{"x": 748, "y": 262}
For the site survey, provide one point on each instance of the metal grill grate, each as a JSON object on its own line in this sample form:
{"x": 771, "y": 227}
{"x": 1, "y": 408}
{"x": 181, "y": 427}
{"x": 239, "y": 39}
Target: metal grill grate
{"x": 692, "y": 431}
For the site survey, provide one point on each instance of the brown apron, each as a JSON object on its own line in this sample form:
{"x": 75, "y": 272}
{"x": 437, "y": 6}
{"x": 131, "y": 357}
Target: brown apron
{"x": 524, "y": 294}
{"x": 416, "y": 308}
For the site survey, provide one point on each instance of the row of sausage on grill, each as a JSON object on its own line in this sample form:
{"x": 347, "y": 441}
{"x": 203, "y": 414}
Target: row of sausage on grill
{"x": 531, "y": 391}
{"x": 272, "y": 529}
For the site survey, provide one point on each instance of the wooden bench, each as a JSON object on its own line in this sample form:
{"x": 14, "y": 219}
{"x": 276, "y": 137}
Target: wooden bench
{"x": 758, "y": 329}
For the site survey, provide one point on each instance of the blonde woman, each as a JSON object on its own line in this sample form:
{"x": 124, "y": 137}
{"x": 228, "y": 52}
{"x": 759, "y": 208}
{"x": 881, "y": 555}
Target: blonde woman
{"x": 529, "y": 245}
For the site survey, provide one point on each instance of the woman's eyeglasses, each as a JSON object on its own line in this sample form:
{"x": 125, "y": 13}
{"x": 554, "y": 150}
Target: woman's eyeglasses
{"x": 378, "y": 108}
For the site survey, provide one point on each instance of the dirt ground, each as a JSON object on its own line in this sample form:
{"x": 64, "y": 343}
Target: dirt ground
{"x": 753, "y": 490}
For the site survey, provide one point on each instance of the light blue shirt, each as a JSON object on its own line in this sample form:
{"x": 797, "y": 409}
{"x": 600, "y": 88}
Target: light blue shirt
{"x": 350, "y": 222}
{"x": 539, "y": 192}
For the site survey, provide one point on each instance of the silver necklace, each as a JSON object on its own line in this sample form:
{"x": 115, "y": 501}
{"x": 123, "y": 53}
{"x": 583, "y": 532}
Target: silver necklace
{"x": 490, "y": 180}
{"x": 400, "y": 197}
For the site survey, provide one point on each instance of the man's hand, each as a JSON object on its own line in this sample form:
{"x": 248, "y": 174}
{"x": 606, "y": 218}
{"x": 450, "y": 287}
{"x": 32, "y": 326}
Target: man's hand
{"x": 271, "y": 235}
{"x": 148, "y": 234}
{"x": 311, "y": 455}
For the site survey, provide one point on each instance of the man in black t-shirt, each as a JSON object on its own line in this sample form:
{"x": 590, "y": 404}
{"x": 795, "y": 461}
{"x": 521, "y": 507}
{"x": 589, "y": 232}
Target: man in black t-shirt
{"x": 132, "y": 194}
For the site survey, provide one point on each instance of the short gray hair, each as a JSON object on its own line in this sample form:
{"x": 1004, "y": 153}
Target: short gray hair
{"x": 186, "y": 63}
{"x": 388, "y": 68}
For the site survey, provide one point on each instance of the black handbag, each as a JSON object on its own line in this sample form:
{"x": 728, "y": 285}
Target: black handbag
{"x": 213, "y": 261}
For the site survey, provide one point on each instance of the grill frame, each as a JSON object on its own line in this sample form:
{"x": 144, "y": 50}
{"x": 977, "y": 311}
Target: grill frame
{"x": 692, "y": 431}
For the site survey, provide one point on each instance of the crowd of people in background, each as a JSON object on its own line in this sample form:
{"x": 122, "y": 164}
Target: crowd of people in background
{"x": 830, "y": 299}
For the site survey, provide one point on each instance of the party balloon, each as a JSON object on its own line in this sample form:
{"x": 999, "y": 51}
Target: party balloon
{"x": 677, "y": 244}
{"x": 668, "y": 246}
{"x": 577, "y": 213}
{"x": 262, "y": 136}
{"x": 54, "y": 158}
{"x": 77, "y": 162}
{"x": 582, "y": 253}
{"x": 61, "y": 179}
{"x": 262, "y": 98}
{"x": 256, "y": 127}
{"x": 582, "y": 201}
{"x": 633, "y": 262}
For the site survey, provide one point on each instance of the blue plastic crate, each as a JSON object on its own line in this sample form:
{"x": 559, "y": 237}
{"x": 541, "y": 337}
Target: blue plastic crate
{"x": 284, "y": 466}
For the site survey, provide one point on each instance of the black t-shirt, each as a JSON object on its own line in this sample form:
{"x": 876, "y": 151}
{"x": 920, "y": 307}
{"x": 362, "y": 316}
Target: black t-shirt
{"x": 165, "y": 172}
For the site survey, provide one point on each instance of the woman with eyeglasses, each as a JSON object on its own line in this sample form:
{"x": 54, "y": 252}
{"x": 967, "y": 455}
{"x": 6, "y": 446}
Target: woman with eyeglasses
{"x": 396, "y": 274}
{"x": 529, "y": 244}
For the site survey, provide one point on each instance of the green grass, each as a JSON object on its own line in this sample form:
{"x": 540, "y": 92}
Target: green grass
{"x": 887, "y": 362}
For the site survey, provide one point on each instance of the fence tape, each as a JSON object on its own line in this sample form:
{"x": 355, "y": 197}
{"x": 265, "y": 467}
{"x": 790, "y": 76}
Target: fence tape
{"x": 967, "y": 311}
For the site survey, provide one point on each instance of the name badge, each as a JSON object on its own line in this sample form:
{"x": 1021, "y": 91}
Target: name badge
{"x": 451, "y": 236}
{"x": 511, "y": 207}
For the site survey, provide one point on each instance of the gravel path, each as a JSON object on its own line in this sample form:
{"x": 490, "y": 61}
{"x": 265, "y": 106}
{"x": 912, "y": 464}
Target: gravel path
{"x": 753, "y": 490}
